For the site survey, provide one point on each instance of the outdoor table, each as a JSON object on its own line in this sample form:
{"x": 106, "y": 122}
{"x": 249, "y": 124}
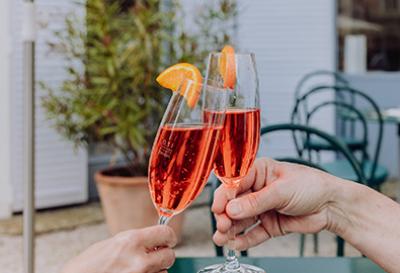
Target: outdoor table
{"x": 285, "y": 265}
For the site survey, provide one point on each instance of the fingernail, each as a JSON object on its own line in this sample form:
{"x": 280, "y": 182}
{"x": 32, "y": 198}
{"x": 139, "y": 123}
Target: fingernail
{"x": 234, "y": 208}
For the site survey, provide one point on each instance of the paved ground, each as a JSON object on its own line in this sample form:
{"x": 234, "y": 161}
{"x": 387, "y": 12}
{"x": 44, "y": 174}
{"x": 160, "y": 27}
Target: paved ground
{"x": 54, "y": 249}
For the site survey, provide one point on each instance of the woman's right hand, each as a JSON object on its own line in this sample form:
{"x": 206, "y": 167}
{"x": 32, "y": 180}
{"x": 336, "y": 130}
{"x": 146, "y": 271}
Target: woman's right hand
{"x": 283, "y": 197}
{"x": 145, "y": 250}
{"x": 286, "y": 198}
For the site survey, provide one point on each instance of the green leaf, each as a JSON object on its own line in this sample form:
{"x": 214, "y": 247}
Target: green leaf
{"x": 108, "y": 130}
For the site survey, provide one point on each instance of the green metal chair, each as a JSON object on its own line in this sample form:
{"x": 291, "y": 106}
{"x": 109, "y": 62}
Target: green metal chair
{"x": 375, "y": 173}
{"x": 361, "y": 144}
{"x": 348, "y": 134}
{"x": 352, "y": 142}
{"x": 303, "y": 157}
{"x": 338, "y": 77}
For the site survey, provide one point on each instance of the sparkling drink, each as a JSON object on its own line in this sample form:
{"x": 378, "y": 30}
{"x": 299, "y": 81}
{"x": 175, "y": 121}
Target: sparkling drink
{"x": 180, "y": 164}
{"x": 238, "y": 144}
{"x": 239, "y": 139}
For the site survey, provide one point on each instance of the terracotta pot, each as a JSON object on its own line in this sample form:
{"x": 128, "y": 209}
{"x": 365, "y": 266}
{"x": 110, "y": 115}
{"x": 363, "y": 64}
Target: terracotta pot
{"x": 127, "y": 203}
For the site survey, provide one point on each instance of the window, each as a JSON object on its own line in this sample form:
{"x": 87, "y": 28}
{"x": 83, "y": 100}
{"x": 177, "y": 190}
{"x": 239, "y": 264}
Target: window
{"x": 379, "y": 22}
{"x": 391, "y": 5}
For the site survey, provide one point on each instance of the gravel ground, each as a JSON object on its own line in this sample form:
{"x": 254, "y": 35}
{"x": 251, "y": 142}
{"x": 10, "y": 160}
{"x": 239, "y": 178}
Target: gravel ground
{"x": 54, "y": 249}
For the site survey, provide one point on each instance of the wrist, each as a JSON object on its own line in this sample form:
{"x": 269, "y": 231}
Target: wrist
{"x": 341, "y": 205}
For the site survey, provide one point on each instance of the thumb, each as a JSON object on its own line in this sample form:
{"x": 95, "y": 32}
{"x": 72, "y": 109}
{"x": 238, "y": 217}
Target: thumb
{"x": 254, "y": 203}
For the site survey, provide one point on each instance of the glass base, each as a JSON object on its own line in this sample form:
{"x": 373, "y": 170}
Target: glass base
{"x": 221, "y": 268}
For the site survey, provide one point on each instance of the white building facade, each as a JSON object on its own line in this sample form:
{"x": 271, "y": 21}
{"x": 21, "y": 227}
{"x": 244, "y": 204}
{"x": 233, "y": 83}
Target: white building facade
{"x": 289, "y": 38}
{"x": 61, "y": 171}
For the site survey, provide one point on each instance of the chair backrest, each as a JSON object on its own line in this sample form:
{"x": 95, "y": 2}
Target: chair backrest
{"x": 356, "y": 117}
{"x": 310, "y": 131}
{"x": 339, "y": 80}
{"x": 346, "y": 98}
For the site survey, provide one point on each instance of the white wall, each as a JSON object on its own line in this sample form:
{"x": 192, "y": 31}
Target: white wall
{"x": 5, "y": 115}
{"x": 290, "y": 38}
{"x": 383, "y": 87}
{"x": 61, "y": 172}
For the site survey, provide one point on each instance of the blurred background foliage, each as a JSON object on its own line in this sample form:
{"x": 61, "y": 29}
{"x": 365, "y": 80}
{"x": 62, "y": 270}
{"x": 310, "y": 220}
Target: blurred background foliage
{"x": 113, "y": 56}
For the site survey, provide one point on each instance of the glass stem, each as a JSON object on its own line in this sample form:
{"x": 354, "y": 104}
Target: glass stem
{"x": 163, "y": 220}
{"x": 231, "y": 261}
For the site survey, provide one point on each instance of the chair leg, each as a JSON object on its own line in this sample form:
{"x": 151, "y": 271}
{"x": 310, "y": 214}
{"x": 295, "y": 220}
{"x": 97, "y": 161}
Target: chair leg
{"x": 316, "y": 243}
{"x": 218, "y": 250}
{"x": 302, "y": 244}
{"x": 318, "y": 157}
{"x": 340, "y": 247}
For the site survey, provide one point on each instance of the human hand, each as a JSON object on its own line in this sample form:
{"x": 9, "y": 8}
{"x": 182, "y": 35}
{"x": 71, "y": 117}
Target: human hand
{"x": 280, "y": 197}
{"x": 135, "y": 251}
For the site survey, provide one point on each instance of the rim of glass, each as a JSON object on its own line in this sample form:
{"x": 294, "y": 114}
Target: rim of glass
{"x": 242, "y": 53}
{"x": 211, "y": 84}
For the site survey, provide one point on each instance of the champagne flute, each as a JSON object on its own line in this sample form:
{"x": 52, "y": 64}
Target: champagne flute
{"x": 185, "y": 147}
{"x": 240, "y": 137}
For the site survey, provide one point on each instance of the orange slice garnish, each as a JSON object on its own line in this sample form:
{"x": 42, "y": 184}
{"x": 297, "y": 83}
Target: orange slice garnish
{"x": 173, "y": 77}
{"x": 227, "y": 66}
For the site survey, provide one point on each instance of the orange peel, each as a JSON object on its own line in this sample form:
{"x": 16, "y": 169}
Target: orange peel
{"x": 173, "y": 78}
{"x": 227, "y": 66}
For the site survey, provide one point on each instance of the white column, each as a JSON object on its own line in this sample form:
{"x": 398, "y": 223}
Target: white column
{"x": 355, "y": 54}
{"x": 6, "y": 194}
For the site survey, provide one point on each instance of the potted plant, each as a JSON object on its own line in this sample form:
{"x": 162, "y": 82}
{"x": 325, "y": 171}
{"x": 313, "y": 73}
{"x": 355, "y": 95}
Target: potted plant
{"x": 111, "y": 95}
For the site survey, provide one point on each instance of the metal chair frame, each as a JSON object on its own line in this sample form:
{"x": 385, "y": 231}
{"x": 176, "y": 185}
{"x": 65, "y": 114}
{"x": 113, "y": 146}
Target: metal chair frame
{"x": 337, "y": 76}
{"x": 340, "y": 80}
{"x": 340, "y": 93}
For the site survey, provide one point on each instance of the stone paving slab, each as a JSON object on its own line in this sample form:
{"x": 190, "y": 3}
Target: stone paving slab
{"x": 56, "y": 219}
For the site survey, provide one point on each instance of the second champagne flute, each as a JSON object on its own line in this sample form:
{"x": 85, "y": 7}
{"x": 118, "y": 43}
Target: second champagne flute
{"x": 185, "y": 146}
{"x": 240, "y": 137}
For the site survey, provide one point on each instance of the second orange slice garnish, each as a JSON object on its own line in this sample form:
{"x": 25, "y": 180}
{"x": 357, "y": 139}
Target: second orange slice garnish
{"x": 227, "y": 66}
{"x": 173, "y": 77}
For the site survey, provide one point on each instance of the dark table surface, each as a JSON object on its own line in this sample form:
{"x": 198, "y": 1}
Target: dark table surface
{"x": 286, "y": 265}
